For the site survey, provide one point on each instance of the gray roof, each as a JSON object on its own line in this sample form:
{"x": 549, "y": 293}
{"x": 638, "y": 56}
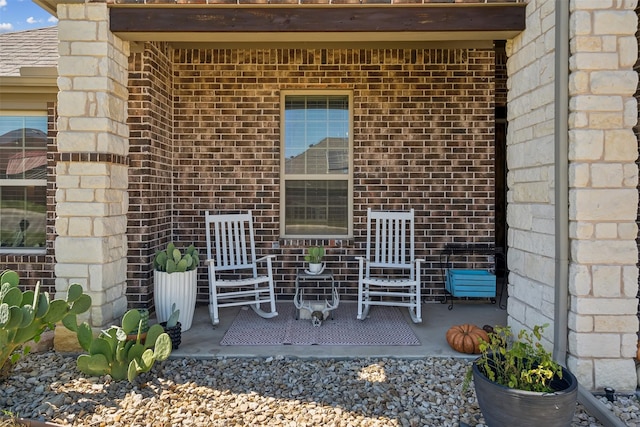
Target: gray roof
{"x": 31, "y": 48}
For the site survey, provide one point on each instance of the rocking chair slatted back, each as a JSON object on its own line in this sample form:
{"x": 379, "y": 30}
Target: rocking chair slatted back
{"x": 227, "y": 238}
{"x": 387, "y": 234}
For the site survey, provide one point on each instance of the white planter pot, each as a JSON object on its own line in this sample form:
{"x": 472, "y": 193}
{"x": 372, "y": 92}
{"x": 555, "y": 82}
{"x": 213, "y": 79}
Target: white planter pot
{"x": 178, "y": 288}
{"x": 316, "y": 267}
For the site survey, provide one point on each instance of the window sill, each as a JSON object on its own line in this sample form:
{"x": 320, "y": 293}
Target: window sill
{"x": 23, "y": 251}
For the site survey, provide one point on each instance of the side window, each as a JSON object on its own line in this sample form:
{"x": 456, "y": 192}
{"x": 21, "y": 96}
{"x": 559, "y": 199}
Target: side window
{"x": 23, "y": 180}
{"x": 317, "y": 164}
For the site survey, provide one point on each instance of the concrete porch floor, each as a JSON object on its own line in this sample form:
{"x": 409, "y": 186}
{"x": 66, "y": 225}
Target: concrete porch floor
{"x": 202, "y": 340}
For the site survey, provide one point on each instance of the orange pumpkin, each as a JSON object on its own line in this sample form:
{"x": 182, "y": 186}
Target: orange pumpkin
{"x": 465, "y": 338}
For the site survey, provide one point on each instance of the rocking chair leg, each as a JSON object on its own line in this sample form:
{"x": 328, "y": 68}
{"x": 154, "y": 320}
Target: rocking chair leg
{"x": 272, "y": 305}
{"x": 264, "y": 314}
{"x": 363, "y": 303}
{"x": 213, "y": 312}
{"x": 415, "y": 315}
{"x": 416, "y": 309}
{"x": 213, "y": 304}
{"x": 365, "y": 312}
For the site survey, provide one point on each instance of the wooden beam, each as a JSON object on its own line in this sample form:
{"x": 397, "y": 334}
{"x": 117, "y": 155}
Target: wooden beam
{"x": 334, "y": 18}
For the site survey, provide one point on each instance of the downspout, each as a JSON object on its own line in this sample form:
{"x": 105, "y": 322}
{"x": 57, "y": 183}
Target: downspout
{"x": 561, "y": 179}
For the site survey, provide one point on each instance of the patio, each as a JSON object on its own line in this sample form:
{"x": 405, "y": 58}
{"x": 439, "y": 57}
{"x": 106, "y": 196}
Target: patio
{"x": 202, "y": 340}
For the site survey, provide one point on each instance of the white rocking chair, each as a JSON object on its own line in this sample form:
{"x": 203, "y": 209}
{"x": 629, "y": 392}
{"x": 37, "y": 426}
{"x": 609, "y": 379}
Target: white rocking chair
{"x": 389, "y": 274}
{"x": 233, "y": 267}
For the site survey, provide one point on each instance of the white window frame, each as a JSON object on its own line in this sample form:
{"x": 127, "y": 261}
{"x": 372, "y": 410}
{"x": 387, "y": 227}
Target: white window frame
{"x": 25, "y": 183}
{"x": 326, "y": 177}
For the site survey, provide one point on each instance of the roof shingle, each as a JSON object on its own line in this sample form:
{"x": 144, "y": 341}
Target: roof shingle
{"x": 31, "y": 48}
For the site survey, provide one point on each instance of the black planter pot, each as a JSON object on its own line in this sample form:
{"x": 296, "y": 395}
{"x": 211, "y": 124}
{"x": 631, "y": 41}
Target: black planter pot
{"x": 175, "y": 333}
{"x": 504, "y": 406}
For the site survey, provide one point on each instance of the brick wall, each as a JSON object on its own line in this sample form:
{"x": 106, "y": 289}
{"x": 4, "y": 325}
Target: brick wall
{"x": 204, "y": 135}
{"x": 150, "y": 220}
{"x": 208, "y": 139}
{"x": 423, "y": 138}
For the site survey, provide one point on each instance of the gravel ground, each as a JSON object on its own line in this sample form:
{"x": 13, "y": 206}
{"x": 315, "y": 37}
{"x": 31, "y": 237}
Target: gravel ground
{"x": 276, "y": 391}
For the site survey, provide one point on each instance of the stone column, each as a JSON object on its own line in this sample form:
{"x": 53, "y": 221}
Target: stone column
{"x": 91, "y": 171}
{"x": 530, "y": 178}
{"x": 603, "y": 196}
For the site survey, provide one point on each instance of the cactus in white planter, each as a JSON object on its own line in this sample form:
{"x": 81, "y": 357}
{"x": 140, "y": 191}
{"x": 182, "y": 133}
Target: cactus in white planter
{"x": 171, "y": 260}
{"x": 175, "y": 281}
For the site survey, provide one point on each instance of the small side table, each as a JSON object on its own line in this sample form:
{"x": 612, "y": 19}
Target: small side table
{"x": 303, "y": 276}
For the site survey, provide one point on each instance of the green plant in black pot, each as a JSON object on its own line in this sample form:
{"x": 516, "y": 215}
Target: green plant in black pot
{"x": 173, "y": 328}
{"x": 517, "y": 382}
{"x": 144, "y": 325}
{"x": 523, "y": 363}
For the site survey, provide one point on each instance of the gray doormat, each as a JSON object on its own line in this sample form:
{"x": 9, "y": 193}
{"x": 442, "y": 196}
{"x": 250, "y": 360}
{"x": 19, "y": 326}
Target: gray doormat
{"x": 385, "y": 326}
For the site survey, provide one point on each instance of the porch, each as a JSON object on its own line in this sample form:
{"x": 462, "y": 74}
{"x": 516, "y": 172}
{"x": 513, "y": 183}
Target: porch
{"x": 202, "y": 340}
{"x": 572, "y": 203}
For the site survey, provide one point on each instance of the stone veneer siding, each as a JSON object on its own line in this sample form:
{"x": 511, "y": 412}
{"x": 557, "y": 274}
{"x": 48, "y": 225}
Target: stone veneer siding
{"x": 636, "y": 130}
{"x": 92, "y": 169}
{"x": 602, "y": 179}
{"x": 530, "y": 160}
{"x": 423, "y": 138}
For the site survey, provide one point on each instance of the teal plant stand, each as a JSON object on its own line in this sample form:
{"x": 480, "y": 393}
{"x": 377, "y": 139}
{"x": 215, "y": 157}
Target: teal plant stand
{"x": 468, "y": 282}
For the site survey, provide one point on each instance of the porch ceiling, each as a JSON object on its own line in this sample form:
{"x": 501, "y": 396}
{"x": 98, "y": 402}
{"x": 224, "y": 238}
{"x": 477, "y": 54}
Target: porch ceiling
{"x": 334, "y": 24}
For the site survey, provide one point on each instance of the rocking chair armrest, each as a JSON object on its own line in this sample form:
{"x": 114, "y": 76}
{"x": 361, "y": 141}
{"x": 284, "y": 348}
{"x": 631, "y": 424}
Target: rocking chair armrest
{"x": 265, "y": 258}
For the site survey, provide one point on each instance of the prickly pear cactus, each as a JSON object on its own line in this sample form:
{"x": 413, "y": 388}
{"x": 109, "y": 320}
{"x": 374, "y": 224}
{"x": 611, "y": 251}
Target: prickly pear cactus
{"x": 24, "y": 316}
{"x": 111, "y": 353}
{"x": 172, "y": 260}
{"x": 314, "y": 254}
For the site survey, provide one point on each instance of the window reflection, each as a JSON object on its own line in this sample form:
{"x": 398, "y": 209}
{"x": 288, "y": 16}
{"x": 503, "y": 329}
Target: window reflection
{"x": 316, "y": 165}
{"x": 316, "y": 207}
{"x": 23, "y": 172}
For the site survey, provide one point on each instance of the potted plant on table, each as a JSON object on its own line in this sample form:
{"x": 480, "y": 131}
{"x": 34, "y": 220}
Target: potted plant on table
{"x": 175, "y": 279}
{"x": 517, "y": 382}
{"x": 315, "y": 255}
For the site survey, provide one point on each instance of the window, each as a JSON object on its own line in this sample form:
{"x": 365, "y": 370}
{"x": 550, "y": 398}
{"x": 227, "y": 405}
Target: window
{"x": 23, "y": 180}
{"x": 316, "y": 179}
